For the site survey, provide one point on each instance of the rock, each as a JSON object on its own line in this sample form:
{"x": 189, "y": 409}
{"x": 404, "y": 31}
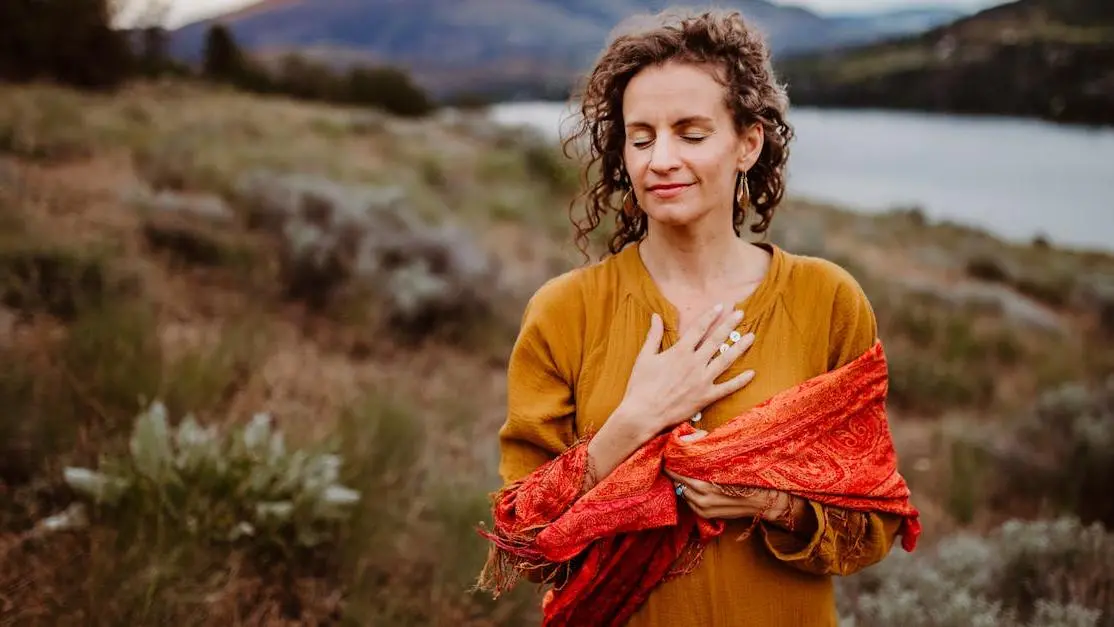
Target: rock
{"x": 204, "y": 206}
{"x": 335, "y": 234}
{"x": 208, "y": 207}
{"x": 192, "y": 227}
{"x": 191, "y": 242}
{"x": 973, "y": 293}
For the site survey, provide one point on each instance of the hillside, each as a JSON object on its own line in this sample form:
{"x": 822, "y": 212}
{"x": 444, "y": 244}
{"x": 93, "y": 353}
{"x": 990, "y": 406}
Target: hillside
{"x": 325, "y": 297}
{"x": 1033, "y": 58}
{"x": 489, "y": 45}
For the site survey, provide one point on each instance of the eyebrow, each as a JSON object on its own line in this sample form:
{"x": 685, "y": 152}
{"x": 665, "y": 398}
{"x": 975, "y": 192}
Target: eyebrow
{"x": 685, "y": 121}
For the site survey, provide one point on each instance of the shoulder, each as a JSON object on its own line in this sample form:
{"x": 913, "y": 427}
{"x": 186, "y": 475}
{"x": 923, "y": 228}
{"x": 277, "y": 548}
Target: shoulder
{"x": 817, "y": 280}
{"x": 564, "y": 295}
{"x": 573, "y": 294}
{"x": 563, "y": 313}
{"x": 833, "y": 306}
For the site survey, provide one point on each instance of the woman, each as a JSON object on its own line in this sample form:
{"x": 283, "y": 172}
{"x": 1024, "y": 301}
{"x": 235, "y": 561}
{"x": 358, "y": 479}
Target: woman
{"x": 686, "y": 126}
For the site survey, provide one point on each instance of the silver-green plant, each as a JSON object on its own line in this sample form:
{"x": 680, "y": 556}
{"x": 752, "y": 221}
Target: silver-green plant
{"x": 1042, "y": 573}
{"x": 240, "y": 485}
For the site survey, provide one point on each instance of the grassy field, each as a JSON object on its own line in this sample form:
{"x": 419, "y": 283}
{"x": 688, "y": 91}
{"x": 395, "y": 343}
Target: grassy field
{"x": 318, "y": 463}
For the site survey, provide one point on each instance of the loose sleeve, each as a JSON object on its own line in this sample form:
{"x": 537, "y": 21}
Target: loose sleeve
{"x": 541, "y": 376}
{"x": 843, "y": 541}
{"x": 541, "y": 466}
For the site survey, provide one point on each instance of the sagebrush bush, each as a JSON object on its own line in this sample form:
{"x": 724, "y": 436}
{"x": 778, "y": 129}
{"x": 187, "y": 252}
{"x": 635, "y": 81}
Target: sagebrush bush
{"x": 1060, "y": 455}
{"x": 220, "y": 486}
{"x": 1049, "y": 573}
{"x": 337, "y": 239}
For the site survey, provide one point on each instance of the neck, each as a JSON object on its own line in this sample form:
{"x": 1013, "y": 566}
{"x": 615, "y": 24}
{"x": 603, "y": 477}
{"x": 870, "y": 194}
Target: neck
{"x": 702, "y": 259}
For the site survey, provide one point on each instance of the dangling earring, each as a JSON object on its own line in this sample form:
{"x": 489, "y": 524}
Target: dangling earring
{"x": 743, "y": 195}
{"x": 630, "y": 203}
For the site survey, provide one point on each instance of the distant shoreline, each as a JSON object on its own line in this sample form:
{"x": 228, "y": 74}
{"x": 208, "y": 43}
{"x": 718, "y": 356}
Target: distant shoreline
{"x": 965, "y": 169}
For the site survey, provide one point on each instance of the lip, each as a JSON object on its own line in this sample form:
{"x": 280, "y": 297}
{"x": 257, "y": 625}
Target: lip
{"x": 668, "y": 190}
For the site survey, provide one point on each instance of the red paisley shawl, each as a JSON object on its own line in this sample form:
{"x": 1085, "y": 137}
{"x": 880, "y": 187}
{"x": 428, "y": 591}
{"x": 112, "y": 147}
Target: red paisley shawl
{"x": 826, "y": 440}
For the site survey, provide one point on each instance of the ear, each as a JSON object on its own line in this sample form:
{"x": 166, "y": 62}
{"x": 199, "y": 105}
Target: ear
{"x": 751, "y": 141}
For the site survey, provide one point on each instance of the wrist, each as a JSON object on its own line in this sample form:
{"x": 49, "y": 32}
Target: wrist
{"x": 630, "y": 424}
{"x": 782, "y": 511}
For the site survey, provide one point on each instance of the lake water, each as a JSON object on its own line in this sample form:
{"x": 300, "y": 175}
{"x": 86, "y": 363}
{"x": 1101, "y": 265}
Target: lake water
{"x": 1014, "y": 178}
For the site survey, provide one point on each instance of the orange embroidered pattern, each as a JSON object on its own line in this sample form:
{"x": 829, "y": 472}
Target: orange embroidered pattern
{"x": 826, "y": 440}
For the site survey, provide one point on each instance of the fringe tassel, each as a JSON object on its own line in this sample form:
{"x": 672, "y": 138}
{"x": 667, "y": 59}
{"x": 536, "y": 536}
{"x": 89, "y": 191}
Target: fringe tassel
{"x": 509, "y": 556}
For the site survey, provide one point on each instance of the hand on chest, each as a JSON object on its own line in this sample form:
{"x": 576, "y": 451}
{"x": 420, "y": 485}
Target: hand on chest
{"x": 779, "y": 356}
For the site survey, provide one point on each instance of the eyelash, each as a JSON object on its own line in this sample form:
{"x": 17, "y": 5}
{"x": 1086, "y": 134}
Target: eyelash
{"x": 691, "y": 139}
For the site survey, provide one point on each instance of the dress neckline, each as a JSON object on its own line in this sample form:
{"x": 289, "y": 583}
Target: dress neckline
{"x": 643, "y": 288}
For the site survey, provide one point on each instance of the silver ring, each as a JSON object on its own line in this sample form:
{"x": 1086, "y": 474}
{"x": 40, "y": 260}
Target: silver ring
{"x": 680, "y": 490}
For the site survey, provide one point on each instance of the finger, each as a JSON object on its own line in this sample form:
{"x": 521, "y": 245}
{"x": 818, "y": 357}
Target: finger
{"x": 734, "y": 384}
{"x": 718, "y": 329}
{"x": 702, "y": 487}
{"x": 693, "y": 336}
{"x": 694, "y": 488}
{"x": 652, "y": 345}
{"x": 723, "y": 359}
{"x": 718, "y": 338}
{"x": 694, "y": 436}
{"x": 681, "y": 480}
{"x": 712, "y": 513}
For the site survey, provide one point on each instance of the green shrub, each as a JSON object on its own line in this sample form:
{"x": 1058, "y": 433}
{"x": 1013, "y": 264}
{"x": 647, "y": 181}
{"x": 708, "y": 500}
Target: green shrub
{"x": 1050, "y": 573}
{"x": 1060, "y": 454}
{"x": 185, "y": 161}
{"x": 243, "y": 485}
{"x": 410, "y": 554}
{"x": 987, "y": 269}
{"x": 36, "y": 277}
{"x": 925, "y": 383}
{"x": 206, "y": 377}
{"x": 34, "y": 425}
{"x": 44, "y": 126}
{"x": 113, "y": 358}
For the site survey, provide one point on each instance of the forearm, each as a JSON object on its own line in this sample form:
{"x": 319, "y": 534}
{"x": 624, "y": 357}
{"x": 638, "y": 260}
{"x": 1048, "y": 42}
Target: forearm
{"x": 616, "y": 440}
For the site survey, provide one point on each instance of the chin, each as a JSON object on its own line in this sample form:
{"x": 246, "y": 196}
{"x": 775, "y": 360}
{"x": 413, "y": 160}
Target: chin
{"x": 674, "y": 214}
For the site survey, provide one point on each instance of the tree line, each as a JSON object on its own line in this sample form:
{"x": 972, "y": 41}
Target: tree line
{"x": 73, "y": 42}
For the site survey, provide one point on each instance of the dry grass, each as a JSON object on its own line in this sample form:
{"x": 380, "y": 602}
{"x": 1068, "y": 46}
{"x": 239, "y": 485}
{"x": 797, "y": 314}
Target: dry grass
{"x": 202, "y": 325}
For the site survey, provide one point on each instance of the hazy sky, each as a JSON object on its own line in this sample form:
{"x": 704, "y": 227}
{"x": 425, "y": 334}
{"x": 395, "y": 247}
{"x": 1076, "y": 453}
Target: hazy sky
{"x": 182, "y": 11}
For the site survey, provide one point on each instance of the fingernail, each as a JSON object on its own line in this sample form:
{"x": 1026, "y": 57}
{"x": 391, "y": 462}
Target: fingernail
{"x": 749, "y": 374}
{"x": 694, "y": 435}
{"x": 738, "y": 315}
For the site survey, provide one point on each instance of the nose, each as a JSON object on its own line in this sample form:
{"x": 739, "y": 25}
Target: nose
{"x": 663, "y": 155}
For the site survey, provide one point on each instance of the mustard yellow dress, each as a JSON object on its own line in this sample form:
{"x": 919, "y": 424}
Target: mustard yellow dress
{"x": 580, "y": 335}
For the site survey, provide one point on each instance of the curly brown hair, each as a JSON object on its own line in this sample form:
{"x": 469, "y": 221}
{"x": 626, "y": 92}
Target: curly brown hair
{"x": 721, "y": 40}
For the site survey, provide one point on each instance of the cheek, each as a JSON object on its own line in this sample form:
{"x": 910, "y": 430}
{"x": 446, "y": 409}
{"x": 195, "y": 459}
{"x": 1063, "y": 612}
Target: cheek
{"x": 635, "y": 161}
{"x": 718, "y": 172}
{"x": 713, "y": 160}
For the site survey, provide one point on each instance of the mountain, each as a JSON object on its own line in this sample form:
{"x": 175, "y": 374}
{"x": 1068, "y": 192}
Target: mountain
{"x": 875, "y": 25}
{"x": 489, "y": 45}
{"x": 1050, "y": 59}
